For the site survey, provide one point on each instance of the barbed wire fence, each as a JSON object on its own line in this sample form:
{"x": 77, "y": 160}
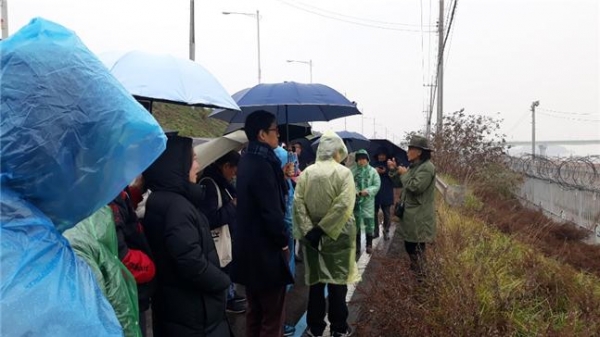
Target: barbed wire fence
{"x": 580, "y": 173}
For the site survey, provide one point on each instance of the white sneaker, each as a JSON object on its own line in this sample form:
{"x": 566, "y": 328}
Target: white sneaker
{"x": 348, "y": 333}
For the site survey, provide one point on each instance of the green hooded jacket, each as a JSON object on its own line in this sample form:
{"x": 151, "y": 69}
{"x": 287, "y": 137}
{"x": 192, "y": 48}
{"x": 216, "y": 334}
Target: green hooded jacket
{"x": 94, "y": 240}
{"x": 325, "y": 197}
{"x": 365, "y": 178}
{"x": 418, "y": 195}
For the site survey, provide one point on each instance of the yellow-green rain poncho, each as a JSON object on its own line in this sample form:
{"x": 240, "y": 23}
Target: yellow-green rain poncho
{"x": 325, "y": 196}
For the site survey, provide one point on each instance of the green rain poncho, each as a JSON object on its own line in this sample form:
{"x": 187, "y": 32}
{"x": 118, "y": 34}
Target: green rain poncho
{"x": 325, "y": 197}
{"x": 365, "y": 178}
{"x": 94, "y": 240}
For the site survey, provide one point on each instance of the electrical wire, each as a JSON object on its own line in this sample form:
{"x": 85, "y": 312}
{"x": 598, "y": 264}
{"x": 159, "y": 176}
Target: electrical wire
{"x": 450, "y": 24}
{"x": 566, "y": 112}
{"x": 356, "y": 17}
{"x": 525, "y": 114}
{"x": 349, "y": 21}
{"x": 569, "y": 118}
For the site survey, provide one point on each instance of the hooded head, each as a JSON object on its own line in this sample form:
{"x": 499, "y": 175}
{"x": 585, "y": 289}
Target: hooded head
{"x": 171, "y": 171}
{"x": 362, "y": 158}
{"x": 282, "y": 154}
{"x": 331, "y": 147}
{"x": 71, "y": 137}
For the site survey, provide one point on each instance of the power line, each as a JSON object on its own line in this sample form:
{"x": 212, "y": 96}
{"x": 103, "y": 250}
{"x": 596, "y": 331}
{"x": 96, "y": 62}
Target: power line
{"x": 570, "y": 118}
{"x": 449, "y": 33}
{"x": 348, "y": 21}
{"x": 450, "y": 24}
{"x": 525, "y": 114}
{"x": 422, "y": 53}
{"x": 356, "y": 17}
{"x": 566, "y": 112}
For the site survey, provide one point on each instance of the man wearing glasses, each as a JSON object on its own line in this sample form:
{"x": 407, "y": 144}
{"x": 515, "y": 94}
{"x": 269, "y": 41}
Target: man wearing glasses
{"x": 260, "y": 245}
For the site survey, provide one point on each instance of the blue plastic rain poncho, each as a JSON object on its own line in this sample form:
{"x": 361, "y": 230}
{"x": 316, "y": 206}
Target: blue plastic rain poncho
{"x": 325, "y": 196}
{"x": 71, "y": 138}
{"x": 282, "y": 154}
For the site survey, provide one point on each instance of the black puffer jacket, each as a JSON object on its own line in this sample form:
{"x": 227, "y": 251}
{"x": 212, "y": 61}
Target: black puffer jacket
{"x": 190, "y": 298}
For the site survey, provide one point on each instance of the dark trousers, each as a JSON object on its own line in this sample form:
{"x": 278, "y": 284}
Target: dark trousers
{"x": 266, "y": 312}
{"x": 416, "y": 253}
{"x": 338, "y": 310}
{"x": 386, "y": 218}
{"x": 142, "y": 323}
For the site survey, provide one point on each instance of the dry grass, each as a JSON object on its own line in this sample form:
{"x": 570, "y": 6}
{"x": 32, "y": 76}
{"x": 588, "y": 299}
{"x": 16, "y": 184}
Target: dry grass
{"x": 481, "y": 282}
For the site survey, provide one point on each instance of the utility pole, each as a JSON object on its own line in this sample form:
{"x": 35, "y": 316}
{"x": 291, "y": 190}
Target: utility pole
{"x": 440, "y": 74}
{"x": 4, "y": 20}
{"x": 429, "y": 112}
{"x": 258, "y": 44}
{"x": 362, "y": 123}
{"x": 192, "y": 32}
{"x": 374, "y": 130}
{"x": 533, "y": 106}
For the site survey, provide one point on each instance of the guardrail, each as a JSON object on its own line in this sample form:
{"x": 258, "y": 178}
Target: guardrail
{"x": 454, "y": 195}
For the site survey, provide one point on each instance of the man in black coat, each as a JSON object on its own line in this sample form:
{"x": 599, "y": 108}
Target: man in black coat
{"x": 260, "y": 242}
{"x": 385, "y": 197}
{"x": 191, "y": 290}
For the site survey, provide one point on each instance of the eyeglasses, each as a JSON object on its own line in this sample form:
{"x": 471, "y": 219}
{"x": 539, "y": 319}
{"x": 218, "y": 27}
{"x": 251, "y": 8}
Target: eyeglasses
{"x": 273, "y": 129}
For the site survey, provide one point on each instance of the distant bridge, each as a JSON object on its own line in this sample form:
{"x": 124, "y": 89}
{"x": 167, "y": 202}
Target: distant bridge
{"x": 553, "y": 142}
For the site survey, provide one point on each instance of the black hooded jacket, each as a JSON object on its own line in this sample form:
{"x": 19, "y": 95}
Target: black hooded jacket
{"x": 190, "y": 298}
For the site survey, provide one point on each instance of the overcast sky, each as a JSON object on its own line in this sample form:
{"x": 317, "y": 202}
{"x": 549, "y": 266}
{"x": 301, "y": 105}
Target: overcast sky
{"x": 500, "y": 56}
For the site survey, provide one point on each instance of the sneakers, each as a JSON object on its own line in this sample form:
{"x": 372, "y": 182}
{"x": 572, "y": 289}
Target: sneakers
{"x": 386, "y": 235}
{"x": 288, "y": 330}
{"x": 235, "y": 307}
{"x": 348, "y": 333}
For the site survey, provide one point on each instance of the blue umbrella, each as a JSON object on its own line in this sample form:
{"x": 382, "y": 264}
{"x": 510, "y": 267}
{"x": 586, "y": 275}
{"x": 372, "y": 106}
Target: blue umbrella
{"x": 290, "y": 102}
{"x": 354, "y": 141}
{"x": 165, "y": 78}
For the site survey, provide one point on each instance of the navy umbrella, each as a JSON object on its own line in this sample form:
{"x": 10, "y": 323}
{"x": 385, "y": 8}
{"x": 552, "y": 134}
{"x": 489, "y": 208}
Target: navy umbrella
{"x": 354, "y": 141}
{"x": 290, "y": 102}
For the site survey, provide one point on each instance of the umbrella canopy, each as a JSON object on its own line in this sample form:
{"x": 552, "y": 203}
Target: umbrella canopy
{"x": 392, "y": 150}
{"x": 296, "y": 130}
{"x": 214, "y": 149}
{"x": 354, "y": 141}
{"x": 167, "y": 78}
{"x": 290, "y": 102}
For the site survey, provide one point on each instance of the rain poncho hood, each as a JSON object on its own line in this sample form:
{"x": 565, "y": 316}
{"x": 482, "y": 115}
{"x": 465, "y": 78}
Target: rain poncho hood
{"x": 71, "y": 138}
{"x": 282, "y": 154}
{"x": 95, "y": 240}
{"x": 362, "y": 153}
{"x": 325, "y": 197}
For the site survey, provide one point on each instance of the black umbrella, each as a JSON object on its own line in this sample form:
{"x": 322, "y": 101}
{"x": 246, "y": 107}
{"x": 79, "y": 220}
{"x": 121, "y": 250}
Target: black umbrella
{"x": 392, "y": 150}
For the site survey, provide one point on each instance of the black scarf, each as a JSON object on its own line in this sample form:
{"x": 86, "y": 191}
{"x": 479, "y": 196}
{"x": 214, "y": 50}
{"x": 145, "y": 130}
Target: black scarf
{"x": 265, "y": 151}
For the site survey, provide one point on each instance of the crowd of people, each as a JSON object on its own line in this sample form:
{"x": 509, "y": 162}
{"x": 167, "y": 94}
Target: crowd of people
{"x": 178, "y": 240}
{"x": 239, "y": 220}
